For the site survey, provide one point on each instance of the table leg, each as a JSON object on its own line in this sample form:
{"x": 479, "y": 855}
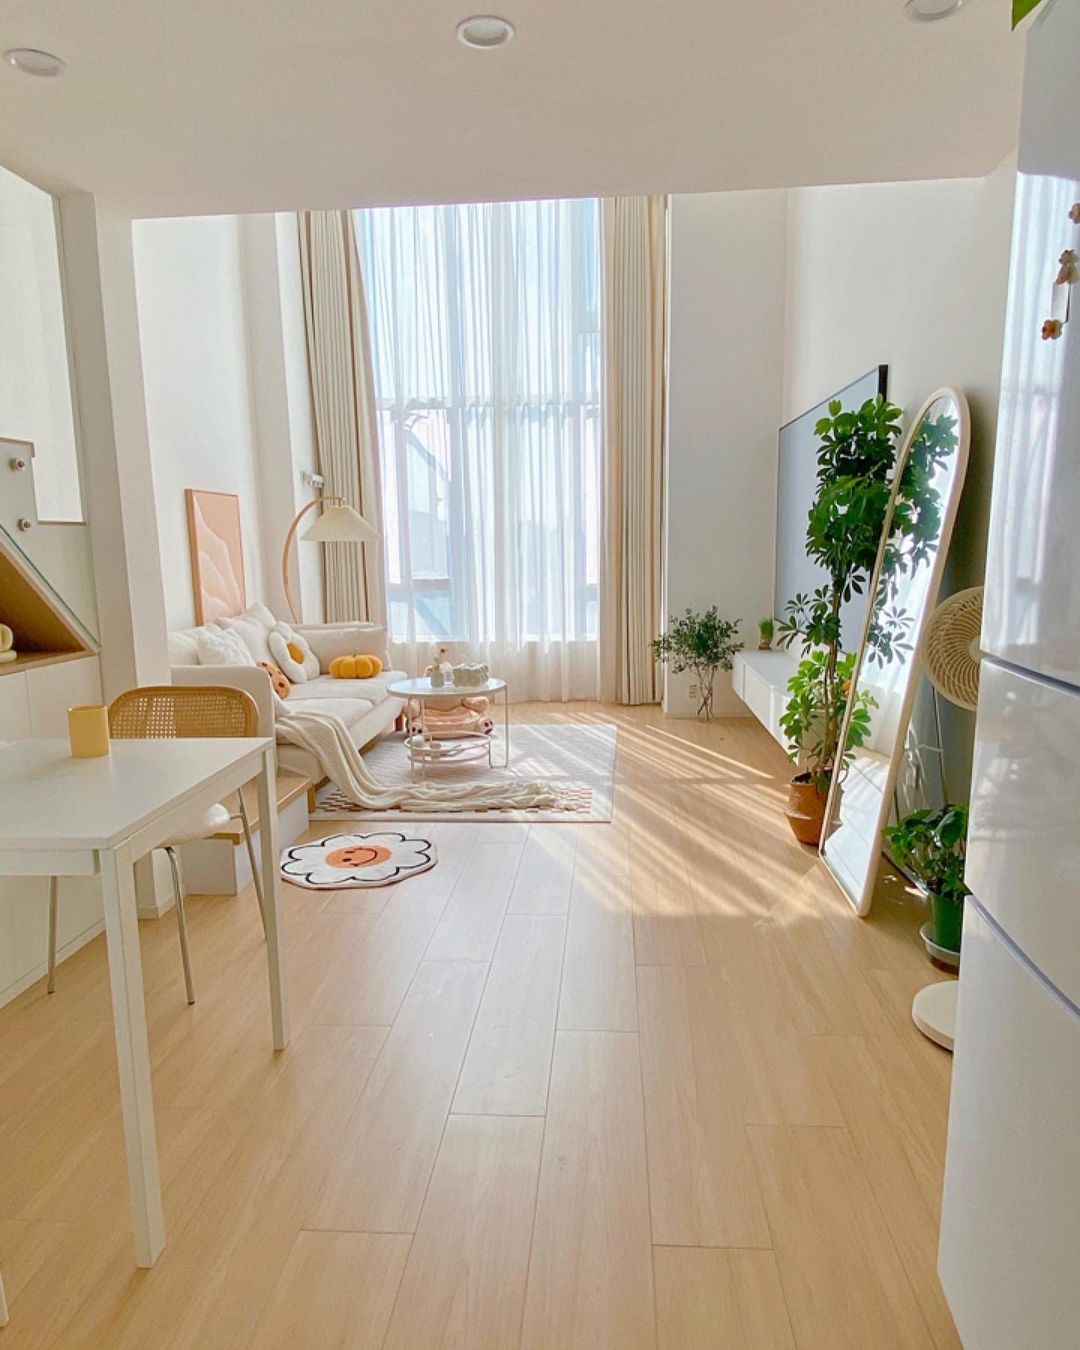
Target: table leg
{"x": 506, "y": 722}
{"x": 132, "y": 1050}
{"x": 271, "y": 880}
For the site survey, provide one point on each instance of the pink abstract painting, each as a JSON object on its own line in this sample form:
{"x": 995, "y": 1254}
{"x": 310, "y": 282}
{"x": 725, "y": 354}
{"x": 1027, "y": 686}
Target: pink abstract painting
{"x": 217, "y": 554}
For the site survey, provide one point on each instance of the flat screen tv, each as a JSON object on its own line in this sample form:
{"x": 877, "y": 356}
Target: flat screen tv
{"x": 795, "y": 572}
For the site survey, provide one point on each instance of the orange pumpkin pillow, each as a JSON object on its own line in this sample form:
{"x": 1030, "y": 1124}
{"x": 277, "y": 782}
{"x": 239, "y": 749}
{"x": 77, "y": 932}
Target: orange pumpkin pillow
{"x": 357, "y": 667}
{"x": 279, "y": 681}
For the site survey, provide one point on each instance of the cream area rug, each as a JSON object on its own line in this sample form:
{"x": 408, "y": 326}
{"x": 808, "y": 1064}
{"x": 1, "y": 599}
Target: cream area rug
{"x": 578, "y": 757}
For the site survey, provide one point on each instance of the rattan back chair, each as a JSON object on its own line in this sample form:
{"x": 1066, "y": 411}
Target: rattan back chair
{"x": 176, "y": 711}
{"x": 167, "y": 712}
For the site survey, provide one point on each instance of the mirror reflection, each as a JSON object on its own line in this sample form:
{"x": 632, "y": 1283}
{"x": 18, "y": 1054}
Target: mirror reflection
{"x": 915, "y": 541}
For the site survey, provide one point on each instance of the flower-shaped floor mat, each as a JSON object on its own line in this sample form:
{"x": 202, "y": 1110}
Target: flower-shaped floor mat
{"x": 344, "y": 860}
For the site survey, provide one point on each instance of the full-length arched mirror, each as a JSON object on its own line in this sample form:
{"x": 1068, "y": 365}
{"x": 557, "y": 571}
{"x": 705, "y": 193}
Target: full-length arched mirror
{"x": 915, "y": 541}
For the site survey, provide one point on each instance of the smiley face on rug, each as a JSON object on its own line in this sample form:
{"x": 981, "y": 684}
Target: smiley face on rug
{"x": 343, "y": 861}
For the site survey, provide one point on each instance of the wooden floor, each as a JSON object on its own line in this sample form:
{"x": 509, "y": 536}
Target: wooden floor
{"x": 646, "y": 1084}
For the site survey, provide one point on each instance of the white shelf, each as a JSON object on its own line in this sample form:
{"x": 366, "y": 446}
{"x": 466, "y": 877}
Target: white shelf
{"x": 760, "y": 679}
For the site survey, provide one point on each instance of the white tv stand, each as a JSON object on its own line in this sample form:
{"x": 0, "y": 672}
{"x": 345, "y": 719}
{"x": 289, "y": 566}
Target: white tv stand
{"x": 760, "y": 680}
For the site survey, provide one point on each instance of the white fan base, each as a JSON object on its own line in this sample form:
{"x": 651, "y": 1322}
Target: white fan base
{"x": 933, "y": 1010}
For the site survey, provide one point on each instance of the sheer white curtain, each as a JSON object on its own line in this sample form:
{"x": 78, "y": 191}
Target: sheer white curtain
{"x": 485, "y": 324}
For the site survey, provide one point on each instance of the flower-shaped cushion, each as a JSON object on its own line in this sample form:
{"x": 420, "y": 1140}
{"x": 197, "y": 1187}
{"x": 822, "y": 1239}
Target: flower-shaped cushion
{"x": 291, "y": 652}
{"x": 347, "y": 860}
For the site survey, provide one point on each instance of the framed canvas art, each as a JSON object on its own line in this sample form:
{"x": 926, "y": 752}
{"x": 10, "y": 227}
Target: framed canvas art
{"x": 217, "y": 554}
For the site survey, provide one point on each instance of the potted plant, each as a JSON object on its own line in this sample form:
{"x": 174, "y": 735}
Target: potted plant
{"x": 817, "y": 703}
{"x": 855, "y": 458}
{"x": 701, "y": 644}
{"x": 931, "y": 846}
{"x": 766, "y": 629}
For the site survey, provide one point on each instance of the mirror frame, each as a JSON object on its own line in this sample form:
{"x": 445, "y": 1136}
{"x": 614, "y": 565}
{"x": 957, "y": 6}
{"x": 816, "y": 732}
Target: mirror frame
{"x": 862, "y": 901}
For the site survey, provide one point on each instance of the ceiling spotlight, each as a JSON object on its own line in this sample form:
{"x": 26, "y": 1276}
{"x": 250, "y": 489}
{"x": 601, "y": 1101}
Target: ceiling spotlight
{"x": 32, "y": 62}
{"x": 485, "y": 31}
{"x": 926, "y": 11}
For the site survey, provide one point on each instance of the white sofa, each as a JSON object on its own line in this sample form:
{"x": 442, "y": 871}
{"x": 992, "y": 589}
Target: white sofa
{"x": 363, "y": 705}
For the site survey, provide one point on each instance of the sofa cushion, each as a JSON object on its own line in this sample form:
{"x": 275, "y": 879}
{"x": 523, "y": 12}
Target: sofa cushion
{"x": 291, "y": 652}
{"x": 184, "y": 647}
{"x": 253, "y": 627}
{"x": 219, "y": 647}
{"x": 327, "y": 687}
{"x": 349, "y": 710}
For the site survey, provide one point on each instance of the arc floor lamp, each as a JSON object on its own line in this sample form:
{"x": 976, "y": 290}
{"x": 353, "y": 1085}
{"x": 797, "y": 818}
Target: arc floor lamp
{"x": 339, "y": 523}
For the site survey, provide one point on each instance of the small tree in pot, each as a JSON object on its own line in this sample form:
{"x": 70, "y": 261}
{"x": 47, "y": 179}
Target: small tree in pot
{"x": 701, "y": 644}
{"x": 932, "y": 846}
{"x": 856, "y": 457}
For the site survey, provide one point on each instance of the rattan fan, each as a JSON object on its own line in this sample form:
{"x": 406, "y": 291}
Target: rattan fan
{"x": 952, "y": 654}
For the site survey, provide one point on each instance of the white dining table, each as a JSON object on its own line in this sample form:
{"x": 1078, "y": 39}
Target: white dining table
{"x": 61, "y": 816}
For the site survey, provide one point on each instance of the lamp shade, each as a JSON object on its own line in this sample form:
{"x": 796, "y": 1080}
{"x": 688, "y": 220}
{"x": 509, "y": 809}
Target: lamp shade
{"x": 340, "y": 525}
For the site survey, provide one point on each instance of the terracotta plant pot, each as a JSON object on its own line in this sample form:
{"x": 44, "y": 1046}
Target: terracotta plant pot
{"x": 805, "y": 809}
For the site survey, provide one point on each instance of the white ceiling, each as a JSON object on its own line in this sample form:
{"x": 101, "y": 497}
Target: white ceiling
{"x": 201, "y": 106}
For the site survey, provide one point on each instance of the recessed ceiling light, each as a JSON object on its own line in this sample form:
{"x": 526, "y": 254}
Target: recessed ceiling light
{"x": 485, "y": 31}
{"x": 926, "y": 11}
{"x": 32, "y": 62}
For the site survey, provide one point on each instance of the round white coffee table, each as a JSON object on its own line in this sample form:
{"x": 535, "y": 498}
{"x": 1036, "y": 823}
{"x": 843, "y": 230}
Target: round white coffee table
{"x": 435, "y": 747}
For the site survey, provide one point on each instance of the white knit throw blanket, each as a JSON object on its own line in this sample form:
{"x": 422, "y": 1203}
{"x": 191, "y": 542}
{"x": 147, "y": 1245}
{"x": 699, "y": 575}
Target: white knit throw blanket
{"x": 327, "y": 738}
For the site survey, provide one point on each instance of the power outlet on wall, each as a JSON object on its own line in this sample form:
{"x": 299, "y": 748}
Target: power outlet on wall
{"x": 691, "y": 689}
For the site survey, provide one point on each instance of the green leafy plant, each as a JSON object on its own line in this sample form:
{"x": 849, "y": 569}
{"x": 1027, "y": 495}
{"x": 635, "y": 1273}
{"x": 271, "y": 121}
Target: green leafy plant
{"x": 856, "y": 464}
{"x": 1021, "y": 9}
{"x": 856, "y": 457}
{"x": 932, "y": 846}
{"x": 817, "y": 703}
{"x": 766, "y": 631}
{"x": 702, "y": 644}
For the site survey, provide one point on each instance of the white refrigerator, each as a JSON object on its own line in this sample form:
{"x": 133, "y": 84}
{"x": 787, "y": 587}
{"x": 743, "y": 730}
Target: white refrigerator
{"x": 1010, "y": 1227}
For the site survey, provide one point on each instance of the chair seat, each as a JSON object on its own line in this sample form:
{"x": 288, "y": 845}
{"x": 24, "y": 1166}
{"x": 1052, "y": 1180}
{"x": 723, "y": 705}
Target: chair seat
{"x": 201, "y": 825}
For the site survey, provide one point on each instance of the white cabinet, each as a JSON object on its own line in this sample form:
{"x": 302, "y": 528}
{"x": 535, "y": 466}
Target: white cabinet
{"x": 1024, "y": 835}
{"x": 760, "y": 679}
{"x": 1010, "y": 1241}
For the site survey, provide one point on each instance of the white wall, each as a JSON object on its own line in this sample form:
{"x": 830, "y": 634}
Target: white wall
{"x": 221, "y": 320}
{"x": 724, "y": 394}
{"x": 189, "y": 279}
{"x": 914, "y": 275}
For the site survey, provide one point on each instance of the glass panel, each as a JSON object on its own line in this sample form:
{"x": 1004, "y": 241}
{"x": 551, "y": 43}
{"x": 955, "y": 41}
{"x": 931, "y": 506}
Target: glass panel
{"x": 35, "y": 377}
{"x": 485, "y": 329}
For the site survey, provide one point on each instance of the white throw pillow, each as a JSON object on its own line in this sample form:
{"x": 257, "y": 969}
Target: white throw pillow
{"x": 253, "y": 627}
{"x": 219, "y": 647}
{"x": 281, "y": 638}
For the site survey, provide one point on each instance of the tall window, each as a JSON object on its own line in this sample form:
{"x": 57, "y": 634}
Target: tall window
{"x": 485, "y": 324}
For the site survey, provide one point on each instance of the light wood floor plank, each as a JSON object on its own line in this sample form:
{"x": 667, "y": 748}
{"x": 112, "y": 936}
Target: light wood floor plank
{"x": 545, "y": 877}
{"x": 382, "y": 1172}
{"x": 508, "y": 1062}
{"x": 365, "y": 984}
{"x": 868, "y": 1100}
{"x": 708, "y": 1299}
{"x": 336, "y": 1292}
{"x": 470, "y": 924}
{"x": 590, "y": 1274}
{"x": 464, "y": 1284}
{"x": 598, "y": 987}
{"x": 844, "y": 1282}
{"x": 702, "y": 1185}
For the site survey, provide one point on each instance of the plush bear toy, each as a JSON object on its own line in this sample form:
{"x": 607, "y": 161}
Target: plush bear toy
{"x": 356, "y": 667}
{"x": 468, "y": 715}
